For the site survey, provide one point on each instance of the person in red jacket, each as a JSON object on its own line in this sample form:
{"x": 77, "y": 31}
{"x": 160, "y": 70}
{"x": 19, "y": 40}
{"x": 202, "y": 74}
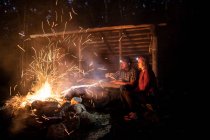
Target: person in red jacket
{"x": 145, "y": 95}
{"x": 147, "y": 79}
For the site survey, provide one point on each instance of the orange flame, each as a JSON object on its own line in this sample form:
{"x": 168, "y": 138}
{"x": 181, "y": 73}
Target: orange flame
{"x": 42, "y": 94}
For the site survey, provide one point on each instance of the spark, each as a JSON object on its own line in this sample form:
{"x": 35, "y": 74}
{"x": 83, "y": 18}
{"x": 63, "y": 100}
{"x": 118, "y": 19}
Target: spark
{"x": 21, "y": 48}
{"x": 74, "y": 56}
{"x": 89, "y": 71}
{"x": 120, "y": 39}
{"x": 66, "y": 38}
{"x": 91, "y": 63}
{"x": 43, "y": 27}
{"x": 66, "y": 130}
{"x": 86, "y": 41}
{"x": 53, "y": 24}
{"x": 100, "y": 81}
{"x": 74, "y": 11}
{"x": 70, "y": 16}
{"x": 86, "y": 30}
{"x": 15, "y": 87}
{"x": 21, "y": 34}
{"x": 64, "y": 29}
{"x": 101, "y": 68}
{"x": 39, "y": 122}
{"x": 27, "y": 39}
{"x": 89, "y": 35}
{"x": 80, "y": 29}
{"x": 45, "y": 117}
{"x": 48, "y": 22}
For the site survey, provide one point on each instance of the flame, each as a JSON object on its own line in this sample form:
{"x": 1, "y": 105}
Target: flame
{"x": 43, "y": 93}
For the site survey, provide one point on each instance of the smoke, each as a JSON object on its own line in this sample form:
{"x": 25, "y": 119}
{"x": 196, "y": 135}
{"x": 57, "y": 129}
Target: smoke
{"x": 93, "y": 63}
{"x": 9, "y": 60}
{"x": 18, "y": 123}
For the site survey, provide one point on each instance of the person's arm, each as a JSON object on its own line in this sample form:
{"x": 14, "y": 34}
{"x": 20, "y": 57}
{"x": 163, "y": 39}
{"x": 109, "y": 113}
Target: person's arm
{"x": 113, "y": 76}
{"x": 132, "y": 79}
{"x": 117, "y": 82}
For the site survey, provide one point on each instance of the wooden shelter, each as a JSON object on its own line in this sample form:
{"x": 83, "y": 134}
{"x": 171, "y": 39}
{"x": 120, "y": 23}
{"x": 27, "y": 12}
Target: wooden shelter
{"x": 111, "y": 43}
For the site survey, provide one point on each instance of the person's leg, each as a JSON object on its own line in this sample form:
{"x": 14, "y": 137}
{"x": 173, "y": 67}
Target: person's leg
{"x": 133, "y": 108}
{"x": 126, "y": 95}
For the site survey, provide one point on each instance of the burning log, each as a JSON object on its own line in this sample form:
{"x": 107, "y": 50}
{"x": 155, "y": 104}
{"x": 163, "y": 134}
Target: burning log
{"x": 48, "y": 108}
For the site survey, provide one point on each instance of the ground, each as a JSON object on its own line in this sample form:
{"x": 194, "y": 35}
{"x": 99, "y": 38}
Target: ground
{"x": 173, "y": 123}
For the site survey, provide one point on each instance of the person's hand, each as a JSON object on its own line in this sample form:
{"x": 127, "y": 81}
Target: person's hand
{"x": 113, "y": 81}
{"x": 110, "y": 75}
{"x": 118, "y": 82}
{"x": 107, "y": 75}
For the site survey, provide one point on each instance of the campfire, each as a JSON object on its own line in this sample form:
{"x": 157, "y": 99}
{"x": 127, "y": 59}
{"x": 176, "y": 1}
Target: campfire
{"x": 52, "y": 79}
{"x": 51, "y": 74}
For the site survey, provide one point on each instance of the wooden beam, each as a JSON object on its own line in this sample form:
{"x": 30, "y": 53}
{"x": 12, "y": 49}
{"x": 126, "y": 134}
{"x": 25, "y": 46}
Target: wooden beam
{"x": 92, "y": 30}
{"x": 154, "y": 52}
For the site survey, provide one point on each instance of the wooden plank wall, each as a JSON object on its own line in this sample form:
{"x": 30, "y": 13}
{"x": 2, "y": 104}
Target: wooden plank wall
{"x": 109, "y": 44}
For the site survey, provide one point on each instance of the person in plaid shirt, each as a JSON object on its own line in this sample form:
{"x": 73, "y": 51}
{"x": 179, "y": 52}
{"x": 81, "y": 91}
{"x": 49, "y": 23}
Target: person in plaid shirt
{"x": 127, "y": 78}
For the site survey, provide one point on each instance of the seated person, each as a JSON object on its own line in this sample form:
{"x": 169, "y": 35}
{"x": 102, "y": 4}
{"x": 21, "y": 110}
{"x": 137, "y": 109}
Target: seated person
{"x": 145, "y": 93}
{"x": 127, "y": 78}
